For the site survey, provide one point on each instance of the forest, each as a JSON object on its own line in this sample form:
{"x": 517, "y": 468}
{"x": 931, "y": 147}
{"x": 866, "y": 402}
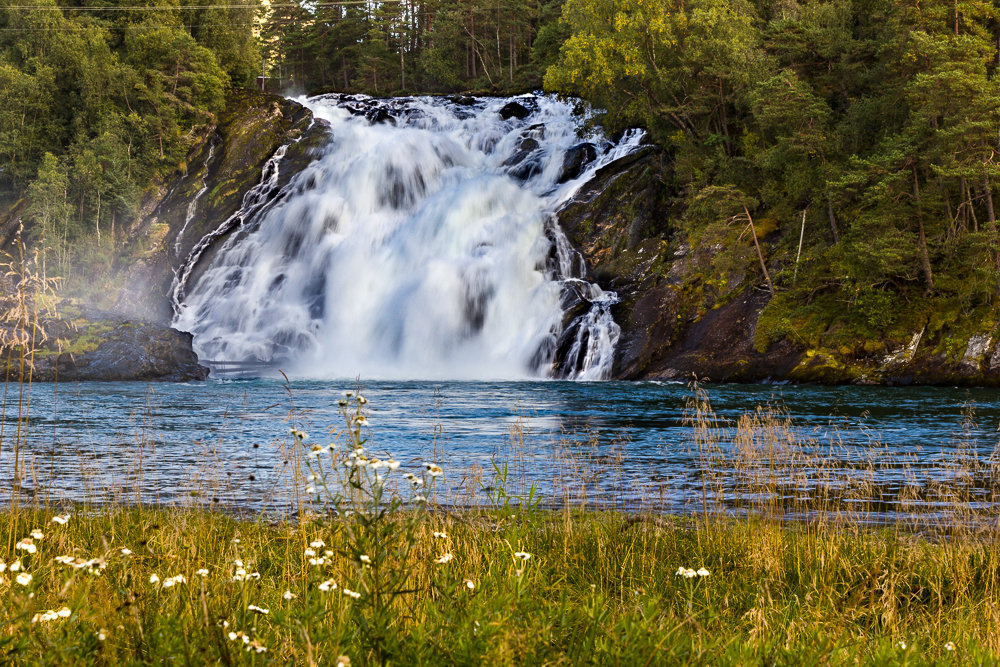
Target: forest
{"x": 844, "y": 150}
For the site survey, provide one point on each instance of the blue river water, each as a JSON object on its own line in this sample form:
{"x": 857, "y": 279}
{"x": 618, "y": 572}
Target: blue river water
{"x": 610, "y": 444}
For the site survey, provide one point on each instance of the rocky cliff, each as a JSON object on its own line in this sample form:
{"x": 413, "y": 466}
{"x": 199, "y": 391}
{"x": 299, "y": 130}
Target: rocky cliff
{"x": 680, "y": 319}
{"x": 133, "y": 340}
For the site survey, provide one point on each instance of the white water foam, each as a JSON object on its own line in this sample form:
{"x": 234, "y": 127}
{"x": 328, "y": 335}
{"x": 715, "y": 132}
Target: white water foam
{"x": 422, "y": 248}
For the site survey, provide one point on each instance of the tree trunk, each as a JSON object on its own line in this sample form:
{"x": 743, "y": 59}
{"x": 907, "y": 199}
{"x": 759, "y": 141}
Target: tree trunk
{"x": 760, "y": 255}
{"x": 925, "y": 259}
{"x": 833, "y": 220}
{"x": 991, "y": 219}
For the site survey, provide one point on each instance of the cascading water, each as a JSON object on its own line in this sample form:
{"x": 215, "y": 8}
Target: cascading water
{"x": 193, "y": 205}
{"x": 421, "y": 243}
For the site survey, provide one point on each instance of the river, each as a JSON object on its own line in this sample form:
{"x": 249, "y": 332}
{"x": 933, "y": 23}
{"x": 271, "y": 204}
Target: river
{"x": 595, "y": 444}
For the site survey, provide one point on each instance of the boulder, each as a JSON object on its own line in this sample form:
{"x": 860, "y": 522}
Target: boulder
{"x": 514, "y": 110}
{"x": 377, "y": 116}
{"x": 577, "y": 157}
{"x": 112, "y": 349}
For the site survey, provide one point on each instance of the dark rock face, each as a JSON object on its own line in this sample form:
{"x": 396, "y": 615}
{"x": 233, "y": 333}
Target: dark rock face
{"x": 377, "y": 116}
{"x": 125, "y": 350}
{"x": 514, "y": 110}
{"x": 576, "y": 158}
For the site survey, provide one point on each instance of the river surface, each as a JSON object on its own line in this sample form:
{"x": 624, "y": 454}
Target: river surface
{"x": 612, "y": 444}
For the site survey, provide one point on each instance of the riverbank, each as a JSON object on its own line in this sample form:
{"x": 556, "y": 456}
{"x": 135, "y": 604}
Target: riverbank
{"x": 522, "y": 586}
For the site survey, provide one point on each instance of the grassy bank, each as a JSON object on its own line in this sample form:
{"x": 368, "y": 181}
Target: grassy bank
{"x": 597, "y": 588}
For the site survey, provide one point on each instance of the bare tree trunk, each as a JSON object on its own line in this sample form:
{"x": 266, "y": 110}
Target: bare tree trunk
{"x": 760, "y": 255}
{"x": 991, "y": 219}
{"x": 925, "y": 259}
{"x": 798, "y": 255}
{"x": 833, "y": 219}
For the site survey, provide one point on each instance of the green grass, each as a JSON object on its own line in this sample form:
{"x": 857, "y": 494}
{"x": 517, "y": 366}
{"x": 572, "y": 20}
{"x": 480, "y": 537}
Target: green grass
{"x": 599, "y": 588}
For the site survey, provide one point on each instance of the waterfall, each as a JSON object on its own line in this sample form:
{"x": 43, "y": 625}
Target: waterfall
{"x": 420, "y": 243}
{"x": 192, "y": 208}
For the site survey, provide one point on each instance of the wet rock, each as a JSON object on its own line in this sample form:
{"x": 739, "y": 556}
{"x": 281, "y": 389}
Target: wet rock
{"x": 526, "y": 170}
{"x": 524, "y": 167}
{"x": 463, "y": 100}
{"x": 514, "y": 110}
{"x": 576, "y": 158}
{"x": 377, "y": 116}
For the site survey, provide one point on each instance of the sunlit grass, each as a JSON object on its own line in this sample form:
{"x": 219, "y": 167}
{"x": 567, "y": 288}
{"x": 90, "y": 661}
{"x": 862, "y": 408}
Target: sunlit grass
{"x": 147, "y": 585}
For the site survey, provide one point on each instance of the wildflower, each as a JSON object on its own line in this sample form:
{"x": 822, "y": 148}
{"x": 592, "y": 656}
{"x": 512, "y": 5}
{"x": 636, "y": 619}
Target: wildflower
{"x": 26, "y": 545}
{"x": 235, "y": 540}
{"x": 256, "y": 646}
{"x": 950, "y": 646}
{"x": 3, "y": 566}
{"x": 328, "y": 585}
{"x": 126, "y": 551}
{"x": 317, "y": 544}
{"x": 24, "y": 579}
{"x": 901, "y": 644}
{"x": 65, "y": 560}
{"x": 15, "y": 566}
{"x": 523, "y": 555}
{"x": 240, "y": 574}
{"x": 259, "y": 610}
{"x": 362, "y": 400}
{"x": 308, "y": 553}
{"x": 343, "y": 661}
{"x": 238, "y": 563}
{"x": 342, "y": 402}
{"x": 361, "y": 420}
{"x": 317, "y": 561}
{"x": 173, "y": 581}
{"x": 469, "y": 584}
{"x": 101, "y": 635}
{"x": 254, "y": 575}
{"x": 153, "y": 579}
{"x": 328, "y": 553}
{"x": 37, "y": 534}
{"x": 352, "y": 594}
{"x": 440, "y": 535}
{"x": 433, "y": 469}
{"x": 51, "y": 615}
{"x": 61, "y": 519}
{"x": 392, "y": 464}
{"x": 365, "y": 558}
{"x": 702, "y": 572}
{"x": 419, "y": 499}
{"x": 299, "y": 435}
{"x": 202, "y": 572}
{"x": 232, "y": 636}
{"x": 443, "y": 558}
{"x": 288, "y": 595}
{"x": 348, "y": 394}
{"x": 310, "y": 490}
